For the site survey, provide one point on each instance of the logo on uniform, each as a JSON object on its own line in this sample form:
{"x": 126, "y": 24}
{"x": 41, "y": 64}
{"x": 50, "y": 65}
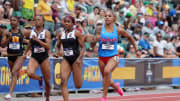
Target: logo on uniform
{"x": 41, "y": 36}
{"x": 70, "y": 35}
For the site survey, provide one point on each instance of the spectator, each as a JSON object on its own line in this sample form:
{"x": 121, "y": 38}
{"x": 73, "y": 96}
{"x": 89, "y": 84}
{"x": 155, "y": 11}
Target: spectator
{"x": 7, "y": 8}
{"x": 132, "y": 52}
{"x": 83, "y": 5}
{"x": 78, "y": 25}
{"x": 159, "y": 28}
{"x": 121, "y": 17}
{"x": 84, "y": 26}
{"x": 149, "y": 9}
{"x": 17, "y": 5}
{"x": 174, "y": 31}
{"x": 144, "y": 42}
{"x": 55, "y": 15}
{"x": 2, "y": 20}
{"x": 128, "y": 21}
{"x": 89, "y": 5}
{"x": 28, "y": 9}
{"x": 71, "y": 5}
{"x": 137, "y": 33}
{"x": 101, "y": 15}
{"x": 78, "y": 14}
{"x": 142, "y": 7}
{"x": 121, "y": 51}
{"x": 159, "y": 47}
{"x": 147, "y": 28}
{"x": 172, "y": 16}
{"x": 45, "y": 10}
{"x": 153, "y": 19}
{"x": 102, "y": 4}
{"x": 169, "y": 45}
{"x": 139, "y": 17}
{"x": 63, "y": 6}
{"x": 93, "y": 16}
{"x": 126, "y": 9}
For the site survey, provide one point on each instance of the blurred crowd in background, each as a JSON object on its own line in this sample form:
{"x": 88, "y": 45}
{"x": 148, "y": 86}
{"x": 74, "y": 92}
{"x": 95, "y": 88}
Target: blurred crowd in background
{"x": 154, "y": 24}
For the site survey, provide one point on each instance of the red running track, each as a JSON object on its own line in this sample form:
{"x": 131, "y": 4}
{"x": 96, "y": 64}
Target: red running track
{"x": 148, "y": 97}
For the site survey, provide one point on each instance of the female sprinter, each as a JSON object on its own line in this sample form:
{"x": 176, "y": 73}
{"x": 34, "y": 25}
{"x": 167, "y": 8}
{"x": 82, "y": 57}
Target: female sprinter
{"x": 39, "y": 45}
{"x": 108, "y": 52}
{"x": 14, "y": 39}
{"x": 71, "y": 40}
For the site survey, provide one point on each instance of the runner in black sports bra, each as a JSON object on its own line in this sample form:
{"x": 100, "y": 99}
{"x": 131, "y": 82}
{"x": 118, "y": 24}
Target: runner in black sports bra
{"x": 70, "y": 47}
{"x": 39, "y": 45}
{"x": 73, "y": 48}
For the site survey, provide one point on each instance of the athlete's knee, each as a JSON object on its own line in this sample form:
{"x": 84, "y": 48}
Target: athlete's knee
{"x": 48, "y": 83}
{"x": 14, "y": 73}
{"x": 78, "y": 86}
{"x": 63, "y": 82}
{"x": 107, "y": 72}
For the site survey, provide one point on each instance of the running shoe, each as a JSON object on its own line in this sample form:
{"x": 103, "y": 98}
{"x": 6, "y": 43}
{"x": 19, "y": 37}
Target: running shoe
{"x": 104, "y": 99}
{"x": 7, "y": 97}
{"x": 119, "y": 91}
{"x": 41, "y": 83}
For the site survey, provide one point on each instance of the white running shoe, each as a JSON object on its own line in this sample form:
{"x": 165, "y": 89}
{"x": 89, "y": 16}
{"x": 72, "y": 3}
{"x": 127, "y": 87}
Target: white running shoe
{"x": 7, "y": 97}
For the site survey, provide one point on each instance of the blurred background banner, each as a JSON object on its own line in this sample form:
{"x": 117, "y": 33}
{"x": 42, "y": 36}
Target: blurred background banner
{"x": 129, "y": 73}
{"x": 24, "y": 84}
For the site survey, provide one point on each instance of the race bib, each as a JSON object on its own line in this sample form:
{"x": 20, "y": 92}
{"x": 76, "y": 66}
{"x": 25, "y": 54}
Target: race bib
{"x": 108, "y": 46}
{"x": 14, "y": 45}
{"x": 39, "y": 49}
{"x": 116, "y": 58}
{"x": 68, "y": 52}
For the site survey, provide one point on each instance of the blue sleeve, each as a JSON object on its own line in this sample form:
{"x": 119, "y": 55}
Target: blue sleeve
{"x": 149, "y": 46}
{"x": 140, "y": 43}
{"x": 172, "y": 12}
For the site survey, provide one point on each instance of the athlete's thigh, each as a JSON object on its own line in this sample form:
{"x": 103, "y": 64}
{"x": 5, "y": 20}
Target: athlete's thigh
{"x": 18, "y": 64}
{"x": 10, "y": 64}
{"x": 111, "y": 64}
{"x": 101, "y": 66}
{"x": 32, "y": 65}
{"x": 77, "y": 72}
{"x": 45, "y": 68}
{"x": 65, "y": 70}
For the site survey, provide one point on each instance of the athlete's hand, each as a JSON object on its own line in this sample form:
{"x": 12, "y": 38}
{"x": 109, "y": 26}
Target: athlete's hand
{"x": 78, "y": 61}
{"x": 56, "y": 55}
{"x": 34, "y": 38}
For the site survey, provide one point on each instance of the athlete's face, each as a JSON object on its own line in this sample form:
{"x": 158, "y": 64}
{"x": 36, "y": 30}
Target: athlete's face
{"x": 109, "y": 17}
{"x": 68, "y": 23}
{"x": 39, "y": 21}
{"x": 14, "y": 22}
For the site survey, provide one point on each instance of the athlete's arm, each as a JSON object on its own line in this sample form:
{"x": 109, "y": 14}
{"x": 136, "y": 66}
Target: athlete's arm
{"x": 80, "y": 38}
{"x": 58, "y": 46}
{"x": 26, "y": 33}
{"x": 96, "y": 37}
{"x": 44, "y": 44}
{"x": 27, "y": 49}
{"x": 125, "y": 34}
{"x": 5, "y": 40}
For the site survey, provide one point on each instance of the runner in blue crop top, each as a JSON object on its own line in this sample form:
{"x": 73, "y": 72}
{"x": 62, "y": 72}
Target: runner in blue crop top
{"x": 108, "y": 43}
{"x": 108, "y": 54}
